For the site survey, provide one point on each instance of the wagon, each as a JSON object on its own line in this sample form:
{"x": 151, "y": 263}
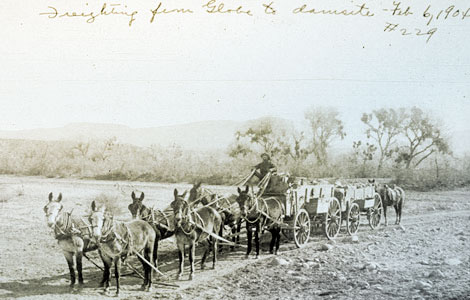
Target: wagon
{"x": 357, "y": 200}
{"x": 326, "y": 205}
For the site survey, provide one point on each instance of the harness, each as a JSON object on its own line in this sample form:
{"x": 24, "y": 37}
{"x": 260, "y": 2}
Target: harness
{"x": 261, "y": 212}
{"x": 192, "y": 221}
{"x": 109, "y": 234}
{"x": 65, "y": 227}
{"x": 151, "y": 218}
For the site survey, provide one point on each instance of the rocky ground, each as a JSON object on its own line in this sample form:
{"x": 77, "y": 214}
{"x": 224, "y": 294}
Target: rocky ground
{"x": 427, "y": 257}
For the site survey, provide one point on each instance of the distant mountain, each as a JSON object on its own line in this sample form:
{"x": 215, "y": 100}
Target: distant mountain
{"x": 205, "y": 135}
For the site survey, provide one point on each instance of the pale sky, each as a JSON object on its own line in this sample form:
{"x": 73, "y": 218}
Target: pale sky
{"x": 200, "y": 66}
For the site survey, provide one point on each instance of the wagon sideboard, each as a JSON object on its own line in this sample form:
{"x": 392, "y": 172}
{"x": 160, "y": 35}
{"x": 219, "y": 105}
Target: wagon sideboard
{"x": 315, "y": 199}
{"x": 362, "y": 195}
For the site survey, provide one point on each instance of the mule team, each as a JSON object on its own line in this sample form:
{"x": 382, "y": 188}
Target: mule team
{"x": 199, "y": 219}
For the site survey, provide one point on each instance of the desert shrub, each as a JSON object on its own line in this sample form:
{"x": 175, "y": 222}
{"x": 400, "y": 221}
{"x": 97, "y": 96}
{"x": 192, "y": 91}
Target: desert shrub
{"x": 113, "y": 161}
{"x": 425, "y": 179}
{"x": 110, "y": 202}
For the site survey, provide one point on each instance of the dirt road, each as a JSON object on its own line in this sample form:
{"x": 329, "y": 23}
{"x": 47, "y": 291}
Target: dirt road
{"x": 428, "y": 257}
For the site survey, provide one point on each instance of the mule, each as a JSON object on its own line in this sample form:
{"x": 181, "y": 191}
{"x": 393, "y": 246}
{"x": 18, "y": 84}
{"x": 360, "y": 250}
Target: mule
{"x": 226, "y": 206}
{"x": 118, "y": 240}
{"x": 194, "y": 226}
{"x": 255, "y": 211}
{"x": 161, "y": 221}
{"x": 391, "y": 196}
{"x": 72, "y": 233}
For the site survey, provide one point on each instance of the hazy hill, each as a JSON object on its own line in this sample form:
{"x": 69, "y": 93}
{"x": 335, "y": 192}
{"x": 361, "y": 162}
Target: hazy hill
{"x": 199, "y": 135}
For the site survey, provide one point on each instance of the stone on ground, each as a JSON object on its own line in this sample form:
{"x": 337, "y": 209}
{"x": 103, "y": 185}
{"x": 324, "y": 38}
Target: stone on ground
{"x": 278, "y": 261}
{"x": 326, "y": 247}
{"x": 453, "y": 261}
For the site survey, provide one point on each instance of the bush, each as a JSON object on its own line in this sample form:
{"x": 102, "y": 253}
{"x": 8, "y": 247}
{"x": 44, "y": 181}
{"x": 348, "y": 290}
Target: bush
{"x": 110, "y": 202}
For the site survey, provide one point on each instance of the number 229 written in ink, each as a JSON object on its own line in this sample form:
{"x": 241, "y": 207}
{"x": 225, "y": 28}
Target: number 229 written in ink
{"x": 390, "y": 27}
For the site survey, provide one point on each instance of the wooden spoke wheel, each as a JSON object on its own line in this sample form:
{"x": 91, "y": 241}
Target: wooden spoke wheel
{"x": 333, "y": 219}
{"x": 375, "y": 213}
{"x": 353, "y": 218}
{"x": 301, "y": 228}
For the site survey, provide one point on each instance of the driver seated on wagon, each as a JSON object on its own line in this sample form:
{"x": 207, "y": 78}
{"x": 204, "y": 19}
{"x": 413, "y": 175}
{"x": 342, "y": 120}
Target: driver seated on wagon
{"x": 264, "y": 167}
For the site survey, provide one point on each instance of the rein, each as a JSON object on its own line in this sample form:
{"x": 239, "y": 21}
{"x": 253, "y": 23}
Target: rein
{"x": 151, "y": 218}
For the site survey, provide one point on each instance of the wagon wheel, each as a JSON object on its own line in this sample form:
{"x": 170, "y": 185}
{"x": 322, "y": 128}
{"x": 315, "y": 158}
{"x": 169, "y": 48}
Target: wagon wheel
{"x": 375, "y": 213}
{"x": 333, "y": 219}
{"x": 353, "y": 218}
{"x": 301, "y": 228}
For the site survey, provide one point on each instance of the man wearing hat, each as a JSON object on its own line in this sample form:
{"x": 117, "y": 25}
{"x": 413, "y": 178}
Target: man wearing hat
{"x": 264, "y": 167}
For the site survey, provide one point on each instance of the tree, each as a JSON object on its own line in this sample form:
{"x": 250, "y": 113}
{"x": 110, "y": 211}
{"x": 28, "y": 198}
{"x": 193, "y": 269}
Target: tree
{"x": 106, "y": 149}
{"x": 384, "y": 126}
{"x": 262, "y": 136}
{"x": 325, "y": 127}
{"x": 424, "y": 137}
{"x": 361, "y": 155}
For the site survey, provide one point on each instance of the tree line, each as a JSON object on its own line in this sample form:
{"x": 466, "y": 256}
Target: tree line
{"x": 401, "y": 138}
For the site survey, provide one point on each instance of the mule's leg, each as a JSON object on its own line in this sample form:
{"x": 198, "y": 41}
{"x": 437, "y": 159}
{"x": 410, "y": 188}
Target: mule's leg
{"x": 400, "y": 207}
{"x": 207, "y": 245}
{"x": 149, "y": 255}
{"x": 214, "y": 250}
{"x": 181, "y": 259}
{"x": 385, "y": 214}
{"x": 192, "y": 256}
{"x": 258, "y": 229}
{"x": 249, "y": 235}
{"x": 145, "y": 267}
{"x": 273, "y": 240}
{"x": 221, "y": 234}
{"x": 278, "y": 239}
{"x": 117, "y": 269}
{"x": 396, "y": 213}
{"x": 107, "y": 262}
{"x": 239, "y": 228}
{"x": 155, "y": 253}
{"x": 69, "y": 258}
{"x": 234, "y": 229}
{"x": 78, "y": 258}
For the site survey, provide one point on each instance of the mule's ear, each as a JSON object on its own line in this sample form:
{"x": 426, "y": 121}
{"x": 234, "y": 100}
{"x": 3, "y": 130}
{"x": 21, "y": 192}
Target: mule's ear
{"x": 175, "y": 193}
{"x": 247, "y": 189}
{"x": 93, "y": 206}
{"x": 133, "y": 196}
{"x": 198, "y": 184}
{"x": 50, "y": 196}
{"x": 184, "y": 194}
{"x": 142, "y": 196}
{"x": 59, "y": 198}
{"x": 238, "y": 190}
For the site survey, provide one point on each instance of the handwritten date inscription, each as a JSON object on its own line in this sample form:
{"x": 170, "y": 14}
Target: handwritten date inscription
{"x": 394, "y": 12}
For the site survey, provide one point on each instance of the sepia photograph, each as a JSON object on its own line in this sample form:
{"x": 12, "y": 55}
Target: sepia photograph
{"x": 235, "y": 149}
